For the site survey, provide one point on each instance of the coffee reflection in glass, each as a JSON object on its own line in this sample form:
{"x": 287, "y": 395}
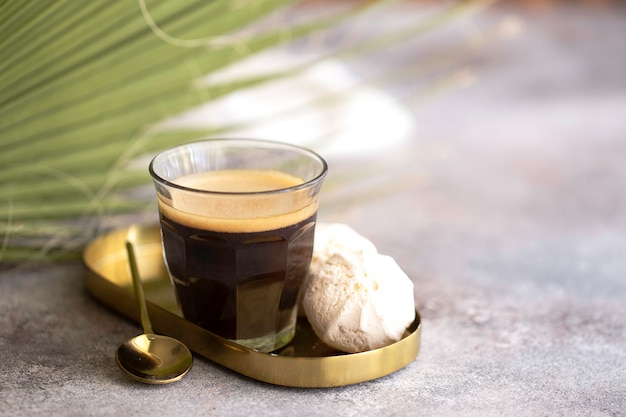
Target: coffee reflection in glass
{"x": 237, "y": 221}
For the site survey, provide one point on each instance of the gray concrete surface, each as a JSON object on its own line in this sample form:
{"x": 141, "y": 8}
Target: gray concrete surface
{"x": 510, "y": 217}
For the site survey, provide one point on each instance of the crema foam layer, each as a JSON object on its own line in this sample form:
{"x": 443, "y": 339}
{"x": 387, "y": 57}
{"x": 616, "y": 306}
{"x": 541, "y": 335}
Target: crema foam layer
{"x": 239, "y": 180}
{"x": 238, "y": 213}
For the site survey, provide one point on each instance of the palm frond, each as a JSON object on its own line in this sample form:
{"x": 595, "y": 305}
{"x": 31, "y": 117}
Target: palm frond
{"x": 85, "y": 86}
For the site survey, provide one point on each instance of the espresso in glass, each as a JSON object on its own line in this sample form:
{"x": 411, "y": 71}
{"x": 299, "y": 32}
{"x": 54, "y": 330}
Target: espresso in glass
{"x": 238, "y": 241}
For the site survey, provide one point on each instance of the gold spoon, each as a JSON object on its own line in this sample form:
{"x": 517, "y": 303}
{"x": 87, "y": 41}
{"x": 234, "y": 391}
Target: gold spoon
{"x": 151, "y": 358}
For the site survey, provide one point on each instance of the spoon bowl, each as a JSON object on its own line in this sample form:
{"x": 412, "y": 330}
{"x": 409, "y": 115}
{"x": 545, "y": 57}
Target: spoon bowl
{"x": 151, "y": 358}
{"x": 154, "y": 359}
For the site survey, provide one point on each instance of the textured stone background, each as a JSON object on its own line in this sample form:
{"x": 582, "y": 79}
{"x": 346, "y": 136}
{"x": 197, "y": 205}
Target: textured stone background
{"x": 509, "y": 213}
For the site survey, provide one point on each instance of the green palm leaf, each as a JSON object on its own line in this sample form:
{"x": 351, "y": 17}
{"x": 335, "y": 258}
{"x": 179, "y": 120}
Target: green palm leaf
{"x": 84, "y": 86}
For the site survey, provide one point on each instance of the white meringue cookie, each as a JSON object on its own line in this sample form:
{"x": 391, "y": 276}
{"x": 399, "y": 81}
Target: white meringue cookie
{"x": 332, "y": 238}
{"x": 357, "y": 302}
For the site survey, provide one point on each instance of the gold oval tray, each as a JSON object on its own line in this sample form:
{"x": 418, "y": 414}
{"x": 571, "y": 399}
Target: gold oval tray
{"x": 305, "y": 362}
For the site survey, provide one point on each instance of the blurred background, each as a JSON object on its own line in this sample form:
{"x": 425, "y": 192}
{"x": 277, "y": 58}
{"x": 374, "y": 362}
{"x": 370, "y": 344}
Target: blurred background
{"x": 382, "y": 92}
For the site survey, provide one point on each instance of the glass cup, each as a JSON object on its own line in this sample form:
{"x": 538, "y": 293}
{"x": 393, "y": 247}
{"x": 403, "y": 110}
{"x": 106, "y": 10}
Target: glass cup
{"x": 237, "y": 221}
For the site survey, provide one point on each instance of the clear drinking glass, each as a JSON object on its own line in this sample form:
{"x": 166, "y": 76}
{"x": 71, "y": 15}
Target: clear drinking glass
{"x": 237, "y": 221}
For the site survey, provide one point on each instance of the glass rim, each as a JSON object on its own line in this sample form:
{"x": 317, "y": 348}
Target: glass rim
{"x": 269, "y": 143}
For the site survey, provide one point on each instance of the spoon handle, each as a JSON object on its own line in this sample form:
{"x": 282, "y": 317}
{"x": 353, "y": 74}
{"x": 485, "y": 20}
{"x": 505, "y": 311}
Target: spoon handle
{"x": 143, "y": 310}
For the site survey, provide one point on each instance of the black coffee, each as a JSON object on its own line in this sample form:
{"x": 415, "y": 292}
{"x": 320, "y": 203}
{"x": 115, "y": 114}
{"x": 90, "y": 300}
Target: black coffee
{"x": 238, "y": 285}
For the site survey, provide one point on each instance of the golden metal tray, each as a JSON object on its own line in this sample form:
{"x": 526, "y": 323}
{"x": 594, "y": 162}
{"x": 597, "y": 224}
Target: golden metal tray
{"x": 305, "y": 362}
